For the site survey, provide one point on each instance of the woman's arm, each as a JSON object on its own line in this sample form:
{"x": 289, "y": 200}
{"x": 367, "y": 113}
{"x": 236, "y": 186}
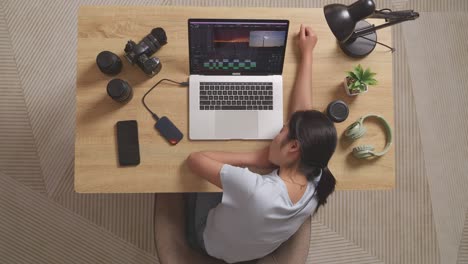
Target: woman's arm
{"x": 208, "y": 164}
{"x": 301, "y": 95}
{"x": 205, "y": 167}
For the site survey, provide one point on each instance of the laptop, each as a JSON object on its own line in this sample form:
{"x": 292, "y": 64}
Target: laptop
{"x": 235, "y": 84}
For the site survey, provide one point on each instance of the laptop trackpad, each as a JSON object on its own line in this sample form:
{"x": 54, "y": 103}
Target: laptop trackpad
{"x": 236, "y": 124}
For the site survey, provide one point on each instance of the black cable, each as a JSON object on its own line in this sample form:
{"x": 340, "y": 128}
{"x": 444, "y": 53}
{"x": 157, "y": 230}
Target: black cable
{"x": 392, "y": 49}
{"x": 155, "y": 116}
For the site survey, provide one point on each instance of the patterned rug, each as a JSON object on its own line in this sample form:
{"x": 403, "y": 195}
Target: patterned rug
{"x": 42, "y": 220}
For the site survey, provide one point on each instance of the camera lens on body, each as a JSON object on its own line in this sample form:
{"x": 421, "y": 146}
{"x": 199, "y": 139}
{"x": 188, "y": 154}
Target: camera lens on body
{"x": 160, "y": 35}
{"x": 140, "y": 53}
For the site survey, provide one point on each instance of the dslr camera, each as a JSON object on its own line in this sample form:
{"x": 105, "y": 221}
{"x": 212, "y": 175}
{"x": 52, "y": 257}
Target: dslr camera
{"x": 140, "y": 53}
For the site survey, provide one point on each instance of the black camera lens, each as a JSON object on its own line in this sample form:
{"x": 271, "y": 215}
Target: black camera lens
{"x": 109, "y": 63}
{"x": 160, "y": 35}
{"x": 119, "y": 90}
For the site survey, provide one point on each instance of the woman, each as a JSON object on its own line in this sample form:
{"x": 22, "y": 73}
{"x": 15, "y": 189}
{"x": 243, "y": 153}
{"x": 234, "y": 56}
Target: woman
{"x": 256, "y": 213}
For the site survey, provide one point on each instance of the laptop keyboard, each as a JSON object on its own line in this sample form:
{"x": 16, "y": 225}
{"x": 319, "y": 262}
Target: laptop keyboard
{"x": 236, "y": 96}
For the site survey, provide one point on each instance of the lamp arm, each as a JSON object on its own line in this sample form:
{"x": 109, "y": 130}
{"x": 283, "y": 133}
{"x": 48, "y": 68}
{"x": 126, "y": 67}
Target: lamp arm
{"x": 392, "y": 18}
{"x": 390, "y": 15}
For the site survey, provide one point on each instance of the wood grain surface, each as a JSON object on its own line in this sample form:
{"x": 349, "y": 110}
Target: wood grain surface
{"x": 162, "y": 167}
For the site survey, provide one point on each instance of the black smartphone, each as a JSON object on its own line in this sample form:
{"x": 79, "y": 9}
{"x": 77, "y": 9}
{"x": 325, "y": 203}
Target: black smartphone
{"x": 127, "y": 143}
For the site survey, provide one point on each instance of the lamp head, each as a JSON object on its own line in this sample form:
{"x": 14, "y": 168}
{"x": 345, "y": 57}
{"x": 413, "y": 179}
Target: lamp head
{"x": 342, "y": 19}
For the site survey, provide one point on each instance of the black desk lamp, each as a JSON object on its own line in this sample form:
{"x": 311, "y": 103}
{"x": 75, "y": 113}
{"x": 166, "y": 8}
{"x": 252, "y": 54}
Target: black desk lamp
{"x": 357, "y": 37}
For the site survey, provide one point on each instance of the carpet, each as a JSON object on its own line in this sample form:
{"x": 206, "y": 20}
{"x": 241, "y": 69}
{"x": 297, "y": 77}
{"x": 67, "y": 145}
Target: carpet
{"x": 438, "y": 58}
{"x": 37, "y": 71}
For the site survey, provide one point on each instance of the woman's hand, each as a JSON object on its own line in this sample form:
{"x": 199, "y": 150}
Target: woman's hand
{"x": 307, "y": 41}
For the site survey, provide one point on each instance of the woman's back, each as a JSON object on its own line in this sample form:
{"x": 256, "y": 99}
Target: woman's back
{"x": 256, "y": 215}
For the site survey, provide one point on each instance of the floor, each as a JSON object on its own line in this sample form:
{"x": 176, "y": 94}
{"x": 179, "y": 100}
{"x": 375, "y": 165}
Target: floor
{"x": 423, "y": 220}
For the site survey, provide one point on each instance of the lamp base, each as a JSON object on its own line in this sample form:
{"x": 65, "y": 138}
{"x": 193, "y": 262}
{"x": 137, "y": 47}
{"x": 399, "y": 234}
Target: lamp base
{"x": 360, "y": 47}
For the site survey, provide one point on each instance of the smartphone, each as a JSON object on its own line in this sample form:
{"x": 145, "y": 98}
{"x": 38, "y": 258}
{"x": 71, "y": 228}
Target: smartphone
{"x": 127, "y": 143}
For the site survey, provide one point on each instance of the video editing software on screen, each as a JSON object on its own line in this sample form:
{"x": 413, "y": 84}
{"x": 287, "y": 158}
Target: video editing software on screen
{"x": 237, "y": 47}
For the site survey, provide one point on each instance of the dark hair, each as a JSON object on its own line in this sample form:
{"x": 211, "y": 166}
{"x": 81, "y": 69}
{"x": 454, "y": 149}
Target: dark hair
{"x": 317, "y": 138}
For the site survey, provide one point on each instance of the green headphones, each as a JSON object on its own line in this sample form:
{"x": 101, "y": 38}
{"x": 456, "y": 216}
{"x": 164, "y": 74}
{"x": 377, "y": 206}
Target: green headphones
{"x": 357, "y": 130}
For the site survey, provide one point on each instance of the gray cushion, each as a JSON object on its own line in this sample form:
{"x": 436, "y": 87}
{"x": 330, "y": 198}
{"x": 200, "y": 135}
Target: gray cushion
{"x": 173, "y": 248}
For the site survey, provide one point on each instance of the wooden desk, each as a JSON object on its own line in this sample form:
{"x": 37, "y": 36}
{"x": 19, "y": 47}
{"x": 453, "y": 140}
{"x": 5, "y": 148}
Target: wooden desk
{"x": 162, "y": 167}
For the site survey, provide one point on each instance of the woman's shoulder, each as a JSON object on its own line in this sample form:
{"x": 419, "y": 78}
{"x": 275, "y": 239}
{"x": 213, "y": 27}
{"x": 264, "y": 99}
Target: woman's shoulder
{"x": 271, "y": 179}
{"x": 269, "y": 189}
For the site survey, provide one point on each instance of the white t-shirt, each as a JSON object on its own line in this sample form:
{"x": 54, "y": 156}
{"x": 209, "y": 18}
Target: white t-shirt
{"x": 255, "y": 216}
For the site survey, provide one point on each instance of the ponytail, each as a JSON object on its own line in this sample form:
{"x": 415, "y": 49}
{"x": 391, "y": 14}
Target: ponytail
{"x": 323, "y": 186}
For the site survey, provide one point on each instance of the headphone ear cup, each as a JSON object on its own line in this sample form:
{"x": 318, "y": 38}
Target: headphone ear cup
{"x": 363, "y": 151}
{"x": 355, "y": 131}
{"x": 362, "y": 131}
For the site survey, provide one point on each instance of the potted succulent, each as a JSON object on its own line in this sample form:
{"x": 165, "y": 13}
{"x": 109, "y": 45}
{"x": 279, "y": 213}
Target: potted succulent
{"x": 358, "y": 80}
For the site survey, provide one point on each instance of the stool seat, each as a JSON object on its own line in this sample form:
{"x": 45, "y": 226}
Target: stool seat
{"x": 172, "y": 246}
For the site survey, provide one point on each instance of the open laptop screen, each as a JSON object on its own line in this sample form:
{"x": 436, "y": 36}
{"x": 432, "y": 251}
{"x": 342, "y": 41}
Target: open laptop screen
{"x": 237, "y": 47}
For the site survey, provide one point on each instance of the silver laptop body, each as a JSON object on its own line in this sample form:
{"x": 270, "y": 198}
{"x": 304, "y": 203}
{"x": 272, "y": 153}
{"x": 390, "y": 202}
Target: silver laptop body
{"x": 235, "y": 89}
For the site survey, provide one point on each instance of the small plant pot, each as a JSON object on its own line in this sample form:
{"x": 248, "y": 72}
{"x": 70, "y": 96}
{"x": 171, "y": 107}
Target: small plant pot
{"x": 354, "y": 92}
